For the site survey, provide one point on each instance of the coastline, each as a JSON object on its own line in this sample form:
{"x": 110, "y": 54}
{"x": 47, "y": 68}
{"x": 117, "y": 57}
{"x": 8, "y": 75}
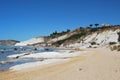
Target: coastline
{"x": 96, "y": 64}
{"x": 21, "y": 61}
{"x": 44, "y": 58}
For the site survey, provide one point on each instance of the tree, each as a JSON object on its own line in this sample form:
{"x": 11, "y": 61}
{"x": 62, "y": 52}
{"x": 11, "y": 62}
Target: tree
{"x": 55, "y": 33}
{"x": 96, "y": 25}
{"x": 90, "y": 25}
{"x": 81, "y": 27}
{"x": 68, "y": 30}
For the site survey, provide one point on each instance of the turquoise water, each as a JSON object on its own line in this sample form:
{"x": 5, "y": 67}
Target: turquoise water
{"x": 10, "y": 50}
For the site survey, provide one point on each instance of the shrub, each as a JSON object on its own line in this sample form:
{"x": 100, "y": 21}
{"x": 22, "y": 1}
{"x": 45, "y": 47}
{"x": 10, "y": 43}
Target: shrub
{"x": 118, "y": 49}
{"x": 115, "y": 47}
{"x": 111, "y": 43}
{"x": 93, "y": 43}
{"x": 94, "y": 30}
{"x": 118, "y": 36}
{"x": 118, "y": 46}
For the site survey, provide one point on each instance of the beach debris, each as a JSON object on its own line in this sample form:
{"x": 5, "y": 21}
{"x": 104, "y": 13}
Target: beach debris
{"x": 116, "y": 71}
{"x": 80, "y": 69}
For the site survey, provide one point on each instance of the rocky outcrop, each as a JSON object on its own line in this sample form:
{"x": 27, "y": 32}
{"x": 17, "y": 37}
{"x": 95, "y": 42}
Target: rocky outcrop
{"x": 80, "y": 37}
{"x": 99, "y": 38}
{"x": 8, "y": 42}
{"x": 31, "y": 41}
{"x": 89, "y": 37}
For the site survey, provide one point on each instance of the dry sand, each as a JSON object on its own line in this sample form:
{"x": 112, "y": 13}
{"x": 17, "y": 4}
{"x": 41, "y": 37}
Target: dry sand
{"x": 97, "y": 64}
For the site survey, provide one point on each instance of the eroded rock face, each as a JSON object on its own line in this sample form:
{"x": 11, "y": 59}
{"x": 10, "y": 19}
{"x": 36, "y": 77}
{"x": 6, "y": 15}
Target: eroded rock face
{"x": 81, "y": 37}
{"x": 8, "y": 42}
{"x": 31, "y": 41}
{"x": 97, "y": 39}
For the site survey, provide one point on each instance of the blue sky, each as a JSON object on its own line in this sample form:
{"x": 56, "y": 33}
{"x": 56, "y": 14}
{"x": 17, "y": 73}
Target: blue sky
{"x": 24, "y": 19}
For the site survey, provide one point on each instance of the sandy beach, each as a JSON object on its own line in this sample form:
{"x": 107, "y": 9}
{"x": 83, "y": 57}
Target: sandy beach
{"x": 95, "y": 64}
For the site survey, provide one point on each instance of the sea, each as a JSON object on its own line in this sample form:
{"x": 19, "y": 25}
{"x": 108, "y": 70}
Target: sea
{"x": 6, "y": 63}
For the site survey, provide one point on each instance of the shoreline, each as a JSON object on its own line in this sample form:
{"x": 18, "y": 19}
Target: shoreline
{"x": 37, "y": 71}
{"x": 95, "y": 64}
{"x": 43, "y": 58}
